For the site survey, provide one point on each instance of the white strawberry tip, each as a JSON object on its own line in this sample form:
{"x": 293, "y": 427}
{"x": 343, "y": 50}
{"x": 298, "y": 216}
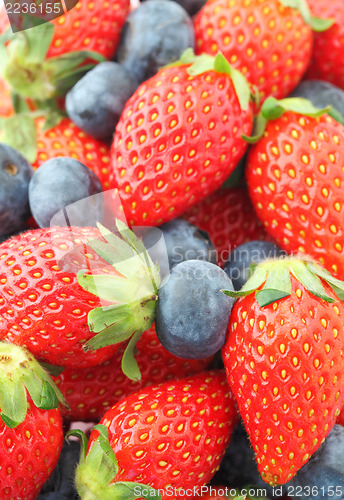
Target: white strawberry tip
{"x": 276, "y": 277}
{"x": 97, "y": 470}
{"x": 20, "y": 375}
{"x": 133, "y": 294}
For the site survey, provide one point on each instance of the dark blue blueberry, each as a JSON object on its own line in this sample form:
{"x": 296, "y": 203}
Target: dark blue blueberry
{"x": 65, "y": 182}
{"x": 243, "y": 256}
{"x": 176, "y": 242}
{"x": 191, "y": 6}
{"x": 155, "y": 34}
{"x": 15, "y": 175}
{"x": 321, "y": 94}
{"x": 192, "y": 311}
{"x": 96, "y": 102}
{"x": 60, "y": 485}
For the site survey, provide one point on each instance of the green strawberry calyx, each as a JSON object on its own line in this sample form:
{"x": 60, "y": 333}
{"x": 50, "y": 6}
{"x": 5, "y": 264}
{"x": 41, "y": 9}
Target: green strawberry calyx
{"x": 23, "y": 63}
{"x": 316, "y": 23}
{"x": 272, "y": 109}
{"x": 133, "y": 293}
{"x": 204, "y": 62}
{"x": 275, "y": 276}
{"x": 21, "y": 374}
{"x": 98, "y": 468}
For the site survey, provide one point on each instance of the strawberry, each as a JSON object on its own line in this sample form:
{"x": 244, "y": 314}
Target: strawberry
{"x": 229, "y": 218}
{"x": 92, "y": 391}
{"x": 30, "y": 428}
{"x": 187, "y": 120}
{"x": 6, "y": 108}
{"x": 267, "y": 41}
{"x": 340, "y": 419}
{"x": 170, "y": 436}
{"x": 295, "y": 178}
{"x": 326, "y": 62}
{"x": 284, "y": 361}
{"x": 60, "y": 286}
{"x": 68, "y": 45}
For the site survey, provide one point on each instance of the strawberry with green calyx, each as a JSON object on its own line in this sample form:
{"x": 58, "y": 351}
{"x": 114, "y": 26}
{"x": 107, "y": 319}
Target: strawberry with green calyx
{"x": 196, "y": 109}
{"x": 170, "y": 436}
{"x": 67, "y": 290}
{"x": 31, "y": 74}
{"x": 22, "y": 378}
{"x": 269, "y": 41}
{"x": 295, "y": 178}
{"x": 284, "y": 361}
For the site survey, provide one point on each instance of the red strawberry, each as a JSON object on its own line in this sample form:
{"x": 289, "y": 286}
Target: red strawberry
{"x": 229, "y": 218}
{"x": 179, "y": 138}
{"x": 326, "y": 62}
{"x": 66, "y": 139}
{"x": 86, "y": 34}
{"x": 6, "y": 108}
{"x": 340, "y": 419}
{"x": 269, "y": 43}
{"x": 42, "y": 306}
{"x": 59, "y": 287}
{"x": 284, "y": 360}
{"x": 90, "y": 392}
{"x": 168, "y": 436}
{"x": 30, "y": 430}
{"x": 295, "y": 180}
{"x": 29, "y": 453}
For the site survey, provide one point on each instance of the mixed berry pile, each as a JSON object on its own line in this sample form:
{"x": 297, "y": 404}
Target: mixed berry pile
{"x": 172, "y": 250}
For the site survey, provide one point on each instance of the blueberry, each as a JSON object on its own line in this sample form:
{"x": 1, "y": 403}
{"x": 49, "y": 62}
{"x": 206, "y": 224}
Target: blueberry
{"x": 192, "y": 311}
{"x": 181, "y": 241}
{"x": 191, "y": 6}
{"x": 155, "y": 34}
{"x": 15, "y": 175}
{"x": 60, "y": 183}
{"x": 60, "y": 485}
{"x": 96, "y": 102}
{"x": 321, "y": 94}
{"x": 243, "y": 256}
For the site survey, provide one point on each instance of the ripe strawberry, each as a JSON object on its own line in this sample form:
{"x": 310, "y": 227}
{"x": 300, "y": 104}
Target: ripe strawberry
{"x": 295, "y": 179}
{"x": 6, "y": 108}
{"x": 29, "y": 453}
{"x": 229, "y": 218}
{"x": 179, "y": 138}
{"x": 168, "y": 436}
{"x": 30, "y": 429}
{"x": 284, "y": 361}
{"x": 66, "y": 139}
{"x": 267, "y": 41}
{"x": 326, "y": 62}
{"x": 42, "y": 306}
{"x": 88, "y": 26}
{"x": 87, "y": 34}
{"x": 91, "y": 392}
{"x": 59, "y": 287}
{"x": 340, "y": 419}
